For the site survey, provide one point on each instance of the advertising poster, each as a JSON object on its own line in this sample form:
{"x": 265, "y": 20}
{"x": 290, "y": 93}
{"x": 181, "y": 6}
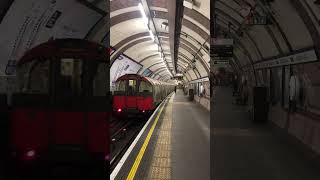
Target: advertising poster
{"x": 121, "y": 66}
{"x": 29, "y": 24}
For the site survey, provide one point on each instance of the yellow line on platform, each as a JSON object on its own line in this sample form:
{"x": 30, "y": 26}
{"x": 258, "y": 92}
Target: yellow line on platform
{"x": 136, "y": 164}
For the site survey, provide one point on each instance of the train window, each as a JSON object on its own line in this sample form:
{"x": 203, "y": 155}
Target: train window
{"x": 70, "y": 77}
{"x": 145, "y": 87}
{"x": 276, "y": 85}
{"x": 38, "y": 78}
{"x": 23, "y": 76}
{"x": 100, "y": 85}
{"x": 121, "y": 85}
{"x": 132, "y": 86}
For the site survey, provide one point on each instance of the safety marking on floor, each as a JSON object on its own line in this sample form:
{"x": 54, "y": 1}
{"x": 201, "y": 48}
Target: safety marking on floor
{"x": 133, "y": 144}
{"x": 139, "y": 157}
{"x": 161, "y": 159}
{"x": 160, "y": 173}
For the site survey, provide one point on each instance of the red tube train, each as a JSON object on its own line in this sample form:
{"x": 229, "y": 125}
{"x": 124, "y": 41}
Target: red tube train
{"x": 138, "y": 95}
{"x": 60, "y": 112}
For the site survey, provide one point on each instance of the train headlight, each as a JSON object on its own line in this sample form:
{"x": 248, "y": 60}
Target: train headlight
{"x": 143, "y": 111}
{"x": 107, "y": 158}
{"x": 30, "y": 155}
{"x": 119, "y": 110}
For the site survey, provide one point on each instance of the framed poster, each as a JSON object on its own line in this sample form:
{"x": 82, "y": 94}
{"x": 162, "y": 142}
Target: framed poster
{"x": 121, "y": 66}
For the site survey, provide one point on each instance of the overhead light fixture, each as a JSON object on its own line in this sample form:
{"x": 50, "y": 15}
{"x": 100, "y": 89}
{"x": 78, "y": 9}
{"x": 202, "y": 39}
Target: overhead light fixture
{"x": 144, "y": 17}
{"x": 188, "y": 4}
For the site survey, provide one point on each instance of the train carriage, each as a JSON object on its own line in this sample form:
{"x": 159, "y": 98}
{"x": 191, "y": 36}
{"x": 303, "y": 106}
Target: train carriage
{"x": 60, "y": 112}
{"x": 138, "y": 95}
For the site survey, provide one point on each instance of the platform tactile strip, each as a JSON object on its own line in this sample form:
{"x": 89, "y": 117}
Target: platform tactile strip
{"x": 161, "y": 161}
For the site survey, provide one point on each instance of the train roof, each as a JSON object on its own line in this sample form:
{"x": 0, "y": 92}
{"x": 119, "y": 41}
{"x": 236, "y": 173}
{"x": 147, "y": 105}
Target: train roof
{"x": 148, "y": 79}
{"x": 66, "y": 48}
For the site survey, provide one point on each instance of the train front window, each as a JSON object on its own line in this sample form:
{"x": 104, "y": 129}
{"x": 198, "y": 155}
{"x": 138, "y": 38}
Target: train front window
{"x": 121, "y": 86}
{"x": 34, "y": 77}
{"x": 100, "y": 86}
{"x": 145, "y": 87}
{"x": 132, "y": 86}
{"x": 70, "y": 79}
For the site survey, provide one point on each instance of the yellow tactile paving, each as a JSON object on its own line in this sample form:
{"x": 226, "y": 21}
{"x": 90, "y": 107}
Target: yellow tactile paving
{"x": 161, "y": 161}
{"x": 160, "y": 173}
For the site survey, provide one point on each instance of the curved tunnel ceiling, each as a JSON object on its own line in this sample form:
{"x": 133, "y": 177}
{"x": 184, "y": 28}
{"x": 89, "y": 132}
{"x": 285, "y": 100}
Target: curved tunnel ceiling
{"x": 129, "y": 35}
{"x": 26, "y": 25}
{"x": 292, "y": 29}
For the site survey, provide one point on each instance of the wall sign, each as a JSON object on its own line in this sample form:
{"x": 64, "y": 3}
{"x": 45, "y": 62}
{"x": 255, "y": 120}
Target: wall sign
{"x": 147, "y": 72}
{"x": 11, "y": 67}
{"x": 303, "y": 57}
{"x": 53, "y": 19}
{"x": 221, "y": 48}
{"x": 200, "y": 80}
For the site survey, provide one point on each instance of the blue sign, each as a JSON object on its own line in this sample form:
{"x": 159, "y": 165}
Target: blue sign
{"x": 11, "y": 67}
{"x": 147, "y": 72}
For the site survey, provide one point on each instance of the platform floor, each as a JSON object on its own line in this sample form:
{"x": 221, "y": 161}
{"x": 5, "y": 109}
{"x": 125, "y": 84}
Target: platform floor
{"x": 174, "y": 146}
{"x": 241, "y": 149}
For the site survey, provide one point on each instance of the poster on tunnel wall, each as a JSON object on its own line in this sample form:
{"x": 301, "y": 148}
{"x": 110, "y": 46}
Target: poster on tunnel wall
{"x": 29, "y": 24}
{"x": 121, "y": 66}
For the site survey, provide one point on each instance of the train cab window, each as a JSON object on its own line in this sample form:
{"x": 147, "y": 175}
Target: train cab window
{"x": 70, "y": 77}
{"x": 34, "y": 77}
{"x": 132, "y": 86}
{"x": 145, "y": 87}
{"x": 121, "y": 86}
{"x": 100, "y": 85}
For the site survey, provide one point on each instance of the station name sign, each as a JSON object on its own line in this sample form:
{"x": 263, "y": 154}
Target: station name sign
{"x": 302, "y": 57}
{"x": 200, "y": 80}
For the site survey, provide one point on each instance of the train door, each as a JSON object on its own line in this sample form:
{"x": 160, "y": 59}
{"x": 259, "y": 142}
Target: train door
{"x": 145, "y": 98}
{"x": 82, "y": 105}
{"x": 131, "y": 100}
{"x": 68, "y": 86}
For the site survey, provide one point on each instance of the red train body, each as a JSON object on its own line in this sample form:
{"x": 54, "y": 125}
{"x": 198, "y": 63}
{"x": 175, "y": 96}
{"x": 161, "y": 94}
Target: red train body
{"x": 135, "y": 94}
{"x": 61, "y": 110}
